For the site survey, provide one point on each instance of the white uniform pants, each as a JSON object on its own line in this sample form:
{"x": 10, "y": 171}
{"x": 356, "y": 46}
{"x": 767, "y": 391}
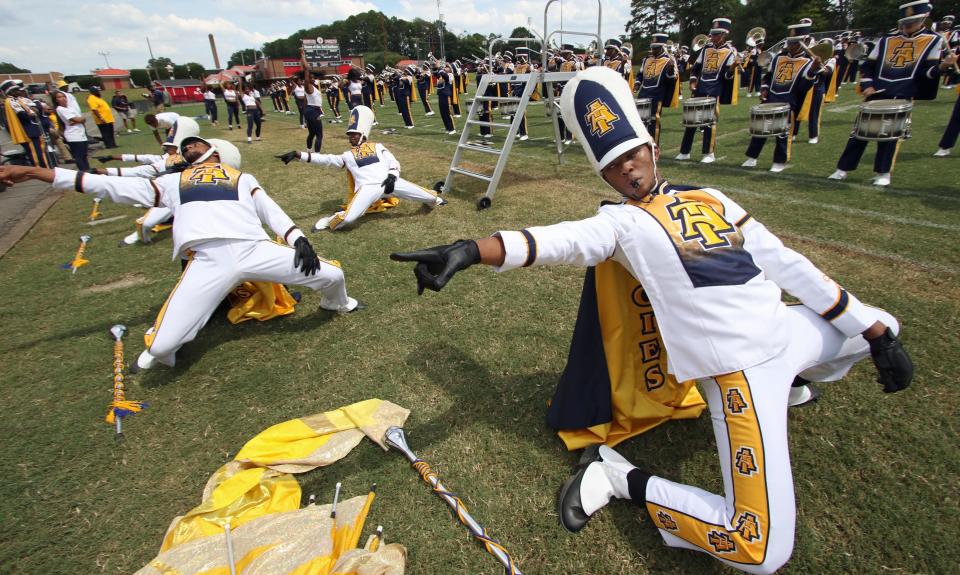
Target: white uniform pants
{"x": 152, "y": 217}
{"x": 370, "y": 193}
{"x": 218, "y": 266}
{"x": 752, "y": 526}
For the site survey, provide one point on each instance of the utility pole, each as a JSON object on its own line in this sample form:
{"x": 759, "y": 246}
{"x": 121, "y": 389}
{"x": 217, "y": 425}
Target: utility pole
{"x": 443, "y": 55}
{"x": 105, "y": 54}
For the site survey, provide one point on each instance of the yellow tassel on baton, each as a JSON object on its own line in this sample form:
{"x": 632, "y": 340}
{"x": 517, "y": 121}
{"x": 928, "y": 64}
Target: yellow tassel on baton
{"x": 78, "y": 259}
{"x": 120, "y": 407}
{"x": 95, "y": 213}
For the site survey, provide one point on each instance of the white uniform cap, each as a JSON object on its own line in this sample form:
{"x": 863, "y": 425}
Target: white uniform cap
{"x": 229, "y": 154}
{"x": 361, "y": 120}
{"x": 598, "y": 104}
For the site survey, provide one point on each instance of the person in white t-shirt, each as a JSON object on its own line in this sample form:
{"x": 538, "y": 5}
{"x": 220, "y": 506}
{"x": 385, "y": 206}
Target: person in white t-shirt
{"x": 73, "y": 130}
{"x": 300, "y": 98}
{"x": 232, "y": 97}
{"x": 210, "y": 104}
{"x": 251, "y": 106}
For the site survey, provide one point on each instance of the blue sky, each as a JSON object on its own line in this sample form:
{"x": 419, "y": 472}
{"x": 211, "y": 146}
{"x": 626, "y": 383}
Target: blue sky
{"x": 66, "y": 36}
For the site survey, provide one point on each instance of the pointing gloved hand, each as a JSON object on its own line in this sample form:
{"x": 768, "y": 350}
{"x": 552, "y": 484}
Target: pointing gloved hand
{"x": 894, "y": 367}
{"x": 304, "y": 257}
{"x": 436, "y": 265}
{"x": 288, "y": 157}
{"x": 388, "y": 184}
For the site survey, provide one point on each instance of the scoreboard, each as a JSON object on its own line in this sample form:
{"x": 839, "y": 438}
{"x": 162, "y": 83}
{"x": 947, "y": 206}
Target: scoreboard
{"x": 321, "y": 52}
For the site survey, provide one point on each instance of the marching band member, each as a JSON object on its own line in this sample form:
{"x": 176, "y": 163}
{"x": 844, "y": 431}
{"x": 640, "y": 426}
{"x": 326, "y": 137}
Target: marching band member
{"x": 406, "y": 84}
{"x": 613, "y": 58}
{"x": 333, "y": 98}
{"x": 445, "y": 93}
{"x": 790, "y": 79}
{"x": 713, "y": 277}
{"x": 313, "y": 111}
{"x": 23, "y": 123}
{"x": 904, "y": 65}
{"x": 374, "y": 172}
{"x": 949, "y": 138}
{"x": 853, "y": 66}
{"x": 714, "y": 74}
{"x": 369, "y": 84}
{"x": 457, "y": 77}
{"x": 223, "y": 240}
{"x": 423, "y": 88}
{"x": 569, "y": 64}
{"x": 516, "y": 89}
{"x": 660, "y": 81}
{"x": 824, "y": 90}
{"x": 483, "y": 67}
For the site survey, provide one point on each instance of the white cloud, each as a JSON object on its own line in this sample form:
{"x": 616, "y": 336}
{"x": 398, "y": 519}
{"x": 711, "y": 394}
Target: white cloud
{"x": 71, "y": 35}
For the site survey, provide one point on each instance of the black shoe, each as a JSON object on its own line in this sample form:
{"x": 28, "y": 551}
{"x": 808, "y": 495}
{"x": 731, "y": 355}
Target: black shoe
{"x": 569, "y": 507}
{"x": 133, "y": 368}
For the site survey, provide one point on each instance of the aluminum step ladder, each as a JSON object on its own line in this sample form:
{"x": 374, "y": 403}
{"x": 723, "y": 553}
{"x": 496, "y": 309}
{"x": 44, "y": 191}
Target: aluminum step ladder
{"x": 530, "y": 82}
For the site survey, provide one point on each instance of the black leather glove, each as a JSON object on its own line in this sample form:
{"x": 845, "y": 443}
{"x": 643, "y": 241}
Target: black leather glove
{"x": 304, "y": 257}
{"x": 97, "y": 171}
{"x": 894, "y": 367}
{"x": 388, "y": 184}
{"x": 105, "y": 159}
{"x": 288, "y": 157}
{"x": 436, "y": 265}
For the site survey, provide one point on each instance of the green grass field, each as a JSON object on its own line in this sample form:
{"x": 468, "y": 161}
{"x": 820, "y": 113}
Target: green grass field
{"x": 876, "y": 475}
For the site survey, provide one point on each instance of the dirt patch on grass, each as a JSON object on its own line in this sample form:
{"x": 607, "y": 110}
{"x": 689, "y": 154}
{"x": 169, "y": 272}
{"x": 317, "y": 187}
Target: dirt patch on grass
{"x": 124, "y": 281}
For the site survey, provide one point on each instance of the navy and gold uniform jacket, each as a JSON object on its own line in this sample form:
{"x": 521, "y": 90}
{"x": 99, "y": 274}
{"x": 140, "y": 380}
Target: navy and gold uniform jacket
{"x": 709, "y": 270}
{"x": 789, "y": 79}
{"x": 715, "y": 73}
{"x": 904, "y": 67}
{"x": 657, "y": 82}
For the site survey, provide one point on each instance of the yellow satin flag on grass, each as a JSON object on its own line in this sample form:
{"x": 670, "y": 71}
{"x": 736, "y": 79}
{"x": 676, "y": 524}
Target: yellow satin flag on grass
{"x": 298, "y": 542}
{"x": 258, "y": 482}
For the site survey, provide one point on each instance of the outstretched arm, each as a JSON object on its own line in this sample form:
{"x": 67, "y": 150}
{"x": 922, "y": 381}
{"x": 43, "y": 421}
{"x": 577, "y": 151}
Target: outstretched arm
{"x": 584, "y": 243}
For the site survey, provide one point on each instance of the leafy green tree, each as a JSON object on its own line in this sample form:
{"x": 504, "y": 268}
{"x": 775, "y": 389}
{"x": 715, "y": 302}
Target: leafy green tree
{"x": 8, "y": 68}
{"x": 246, "y": 57}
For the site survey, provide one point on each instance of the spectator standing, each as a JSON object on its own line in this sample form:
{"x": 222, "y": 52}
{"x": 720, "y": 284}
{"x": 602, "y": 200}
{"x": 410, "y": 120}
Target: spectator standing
{"x": 73, "y": 131}
{"x": 102, "y": 116}
{"x": 251, "y": 104}
{"x": 121, "y": 105}
{"x": 158, "y": 97}
{"x": 232, "y": 98}
{"x": 210, "y": 104}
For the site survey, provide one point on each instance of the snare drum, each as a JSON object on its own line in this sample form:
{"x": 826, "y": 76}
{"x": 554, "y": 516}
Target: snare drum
{"x": 883, "y": 120}
{"x": 699, "y": 112}
{"x": 769, "y": 120}
{"x": 645, "y": 109}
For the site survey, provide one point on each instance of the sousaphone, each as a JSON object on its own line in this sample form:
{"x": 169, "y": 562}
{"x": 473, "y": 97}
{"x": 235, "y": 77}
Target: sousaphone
{"x": 756, "y": 36}
{"x": 699, "y": 41}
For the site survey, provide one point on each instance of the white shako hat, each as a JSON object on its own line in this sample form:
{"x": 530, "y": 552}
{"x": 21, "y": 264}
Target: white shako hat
{"x": 229, "y": 154}
{"x": 361, "y": 120}
{"x": 598, "y": 104}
